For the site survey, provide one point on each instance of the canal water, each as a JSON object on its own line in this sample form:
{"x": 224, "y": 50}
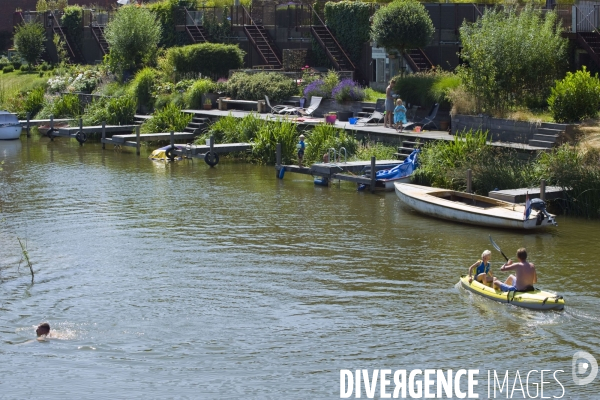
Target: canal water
{"x": 181, "y": 281}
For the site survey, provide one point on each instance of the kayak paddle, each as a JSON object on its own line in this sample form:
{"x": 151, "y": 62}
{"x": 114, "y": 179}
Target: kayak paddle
{"x": 497, "y": 247}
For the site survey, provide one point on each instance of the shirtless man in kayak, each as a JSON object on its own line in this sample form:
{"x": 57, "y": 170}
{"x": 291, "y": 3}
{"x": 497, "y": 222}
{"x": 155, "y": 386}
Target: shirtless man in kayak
{"x": 525, "y": 275}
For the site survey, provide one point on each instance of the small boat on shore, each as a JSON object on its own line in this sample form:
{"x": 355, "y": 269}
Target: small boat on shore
{"x": 386, "y": 178}
{"x": 474, "y": 209}
{"x": 535, "y": 300}
{"x": 10, "y": 127}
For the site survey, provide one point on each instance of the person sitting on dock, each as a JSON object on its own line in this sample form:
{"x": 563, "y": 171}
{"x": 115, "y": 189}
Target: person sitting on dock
{"x": 483, "y": 270}
{"x": 525, "y": 277}
{"x": 399, "y": 115}
{"x": 301, "y": 146}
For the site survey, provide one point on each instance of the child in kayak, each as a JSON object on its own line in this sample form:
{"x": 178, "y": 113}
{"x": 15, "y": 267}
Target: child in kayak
{"x": 524, "y": 278}
{"x": 483, "y": 270}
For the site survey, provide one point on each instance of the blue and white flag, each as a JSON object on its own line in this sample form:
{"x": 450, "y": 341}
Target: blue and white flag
{"x": 527, "y": 210}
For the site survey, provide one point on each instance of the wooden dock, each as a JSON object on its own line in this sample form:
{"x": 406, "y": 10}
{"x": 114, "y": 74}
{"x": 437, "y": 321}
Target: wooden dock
{"x": 519, "y": 195}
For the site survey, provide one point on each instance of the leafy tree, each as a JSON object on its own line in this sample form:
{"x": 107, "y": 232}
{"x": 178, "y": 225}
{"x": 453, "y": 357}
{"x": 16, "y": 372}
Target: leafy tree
{"x": 402, "y": 25}
{"x": 29, "y": 41}
{"x": 41, "y": 6}
{"x": 512, "y": 59}
{"x": 133, "y": 37}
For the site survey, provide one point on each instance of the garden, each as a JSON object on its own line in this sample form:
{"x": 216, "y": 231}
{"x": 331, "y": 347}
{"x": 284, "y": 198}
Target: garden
{"x": 514, "y": 65}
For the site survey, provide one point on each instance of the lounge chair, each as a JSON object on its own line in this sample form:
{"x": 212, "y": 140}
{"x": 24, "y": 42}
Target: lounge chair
{"x": 428, "y": 120}
{"x": 376, "y": 116}
{"x": 279, "y": 109}
{"x": 315, "y": 102}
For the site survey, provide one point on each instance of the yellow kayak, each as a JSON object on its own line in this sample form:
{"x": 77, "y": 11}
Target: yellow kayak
{"x": 535, "y": 300}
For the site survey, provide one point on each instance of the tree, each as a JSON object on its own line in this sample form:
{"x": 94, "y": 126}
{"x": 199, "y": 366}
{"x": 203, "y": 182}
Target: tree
{"x": 402, "y": 25}
{"x": 512, "y": 59}
{"x": 29, "y": 41}
{"x": 133, "y": 37}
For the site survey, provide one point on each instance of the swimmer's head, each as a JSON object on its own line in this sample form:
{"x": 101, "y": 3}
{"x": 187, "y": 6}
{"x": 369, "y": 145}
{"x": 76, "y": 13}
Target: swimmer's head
{"x": 43, "y": 329}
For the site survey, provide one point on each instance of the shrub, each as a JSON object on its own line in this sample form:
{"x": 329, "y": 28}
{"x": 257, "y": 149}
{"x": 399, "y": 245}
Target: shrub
{"x": 348, "y": 90}
{"x": 170, "y": 118}
{"x": 4, "y": 61}
{"x": 8, "y": 68}
{"x": 255, "y": 86}
{"x": 315, "y": 88}
{"x": 142, "y": 86}
{"x": 512, "y": 58}
{"x": 576, "y": 97}
{"x": 267, "y": 137}
{"x": 113, "y": 111}
{"x": 324, "y": 137}
{"x": 166, "y": 13}
{"x": 34, "y": 101}
{"x": 133, "y": 37}
{"x": 193, "y": 96}
{"x": 29, "y": 41}
{"x": 426, "y": 88}
{"x": 212, "y": 59}
{"x": 72, "y": 22}
{"x": 66, "y": 106}
{"x": 17, "y": 64}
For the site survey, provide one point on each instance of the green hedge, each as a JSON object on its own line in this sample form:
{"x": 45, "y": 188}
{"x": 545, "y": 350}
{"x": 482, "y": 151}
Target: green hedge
{"x": 212, "y": 59}
{"x": 255, "y": 86}
{"x": 349, "y": 22}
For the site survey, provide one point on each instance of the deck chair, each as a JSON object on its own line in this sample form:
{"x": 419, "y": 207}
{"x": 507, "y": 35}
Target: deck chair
{"x": 279, "y": 109}
{"x": 377, "y": 115}
{"x": 315, "y": 102}
{"x": 428, "y": 120}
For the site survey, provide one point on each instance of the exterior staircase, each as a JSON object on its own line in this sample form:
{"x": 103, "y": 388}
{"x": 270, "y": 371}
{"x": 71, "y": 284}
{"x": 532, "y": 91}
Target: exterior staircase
{"x": 197, "y": 124}
{"x": 332, "y": 48}
{"x": 408, "y": 146}
{"x": 264, "y": 44}
{"x": 196, "y": 33}
{"x": 73, "y": 51}
{"x": 590, "y": 41}
{"x": 547, "y": 135}
{"x": 418, "y": 60}
{"x": 98, "y": 32}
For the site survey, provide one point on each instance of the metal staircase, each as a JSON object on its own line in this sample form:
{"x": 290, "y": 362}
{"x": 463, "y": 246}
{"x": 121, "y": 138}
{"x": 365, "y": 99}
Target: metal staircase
{"x": 263, "y": 43}
{"x": 196, "y": 33}
{"x": 74, "y": 53}
{"x": 98, "y": 33}
{"x": 590, "y": 41}
{"x": 418, "y": 60}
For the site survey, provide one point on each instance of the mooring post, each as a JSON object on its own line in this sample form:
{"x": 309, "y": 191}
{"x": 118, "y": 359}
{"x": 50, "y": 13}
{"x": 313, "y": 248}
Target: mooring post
{"x": 51, "y": 128}
{"x": 373, "y": 173}
{"x": 103, "y": 135}
{"x": 137, "y": 140}
{"x": 469, "y": 181}
{"x": 28, "y": 127}
{"x": 212, "y": 143}
{"x": 278, "y": 160}
{"x": 543, "y": 189}
{"x": 81, "y": 129}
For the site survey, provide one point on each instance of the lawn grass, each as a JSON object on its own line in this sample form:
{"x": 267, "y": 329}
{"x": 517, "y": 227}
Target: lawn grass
{"x": 18, "y": 81}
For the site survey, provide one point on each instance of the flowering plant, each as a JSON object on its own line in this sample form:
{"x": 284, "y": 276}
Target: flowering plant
{"x": 84, "y": 80}
{"x": 315, "y": 88}
{"x": 348, "y": 90}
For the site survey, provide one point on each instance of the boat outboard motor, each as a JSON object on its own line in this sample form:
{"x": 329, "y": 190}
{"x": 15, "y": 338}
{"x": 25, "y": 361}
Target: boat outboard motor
{"x": 539, "y": 205}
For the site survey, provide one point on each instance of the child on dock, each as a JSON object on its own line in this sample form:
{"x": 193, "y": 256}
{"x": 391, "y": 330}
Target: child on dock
{"x": 301, "y": 146}
{"x": 399, "y": 115}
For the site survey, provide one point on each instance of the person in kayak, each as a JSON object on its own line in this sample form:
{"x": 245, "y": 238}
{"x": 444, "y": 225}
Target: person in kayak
{"x": 525, "y": 275}
{"x": 483, "y": 270}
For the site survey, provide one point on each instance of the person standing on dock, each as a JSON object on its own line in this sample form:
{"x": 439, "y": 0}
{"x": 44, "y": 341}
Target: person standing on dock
{"x": 301, "y": 146}
{"x": 389, "y": 104}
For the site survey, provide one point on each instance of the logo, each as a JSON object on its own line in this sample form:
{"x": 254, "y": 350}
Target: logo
{"x": 580, "y": 368}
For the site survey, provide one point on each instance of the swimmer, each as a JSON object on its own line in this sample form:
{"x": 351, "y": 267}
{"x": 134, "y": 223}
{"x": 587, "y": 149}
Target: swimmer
{"x": 43, "y": 330}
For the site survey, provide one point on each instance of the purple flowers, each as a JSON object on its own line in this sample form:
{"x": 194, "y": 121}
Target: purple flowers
{"x": 316, "y": 88}
{"x": 347, "y": 90}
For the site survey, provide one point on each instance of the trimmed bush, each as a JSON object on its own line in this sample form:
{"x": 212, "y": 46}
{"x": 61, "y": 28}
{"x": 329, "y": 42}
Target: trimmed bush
{"x": 255, "y": 86}
{"x": 193, "y": 96}
{"x": 212, "y": 59}
{"x": 576, "y": 97}
{"x": 8, "y": 68}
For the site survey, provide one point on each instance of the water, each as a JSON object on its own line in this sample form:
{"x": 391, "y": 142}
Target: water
{"x": 181, "y": 281}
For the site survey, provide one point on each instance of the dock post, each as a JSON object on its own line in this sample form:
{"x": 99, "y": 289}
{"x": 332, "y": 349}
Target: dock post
{"x": 278, "y": 160}
{"x": 373, "y": 174}
{"x": 28, "y": 126}
{"x": 137, "y": 140}
{"x": 51, "y": 127}
{"x": 103, "y": 135}
{"x": 212, "y": 144}
{"x": 469, "y": 181}
{"x": 80, "y": 129}
{"x": 543, "y": 189}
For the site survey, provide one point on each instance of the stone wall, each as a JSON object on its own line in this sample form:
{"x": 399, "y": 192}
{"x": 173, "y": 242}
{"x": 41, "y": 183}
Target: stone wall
{"x": 502, "y": 130}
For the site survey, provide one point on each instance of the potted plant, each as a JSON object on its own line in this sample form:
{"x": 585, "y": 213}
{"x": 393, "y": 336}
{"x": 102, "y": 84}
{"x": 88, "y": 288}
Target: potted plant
{"x": 346, "y": 92}
{"x": 207, "y": 104}
{"x": 330, "y": 117}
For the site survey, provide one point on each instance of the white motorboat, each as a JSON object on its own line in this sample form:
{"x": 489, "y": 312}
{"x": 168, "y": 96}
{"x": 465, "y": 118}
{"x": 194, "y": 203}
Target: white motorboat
{"x": 10, "y": 127}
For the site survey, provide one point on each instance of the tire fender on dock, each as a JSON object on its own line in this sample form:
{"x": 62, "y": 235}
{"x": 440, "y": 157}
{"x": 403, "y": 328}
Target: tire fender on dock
{"x": 170, "y": 152}
{"x": 211, "y": 158}
{"x": 81, "y": 137}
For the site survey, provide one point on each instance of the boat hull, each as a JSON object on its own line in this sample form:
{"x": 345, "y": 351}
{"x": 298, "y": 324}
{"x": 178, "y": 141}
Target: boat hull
{"x": 483, "y": 211}
{"x": 535, "y": 300}
{"x": 10, "y": 132}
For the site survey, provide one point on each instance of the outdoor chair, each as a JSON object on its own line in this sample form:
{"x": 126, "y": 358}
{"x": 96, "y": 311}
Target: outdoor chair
{"x": 376, "y": 116}
{"x": 428, "y": 120}
{"x": 279, "y": 109}
{"x": 315, "y": 102}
